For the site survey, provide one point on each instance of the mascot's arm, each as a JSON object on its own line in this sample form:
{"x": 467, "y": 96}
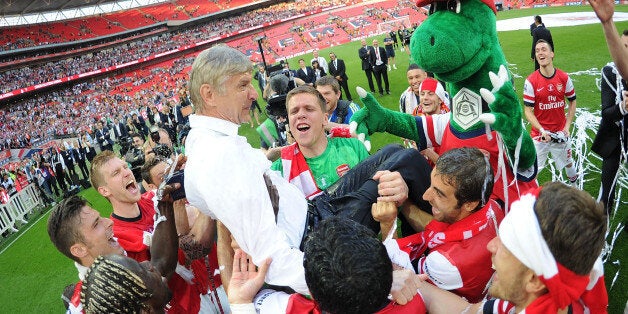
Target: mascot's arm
{"x": 375, "y": 118}
{"x": 505, "y": 118}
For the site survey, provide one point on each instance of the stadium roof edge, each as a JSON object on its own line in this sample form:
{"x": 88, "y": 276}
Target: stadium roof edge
{"x": 20, "y": 12}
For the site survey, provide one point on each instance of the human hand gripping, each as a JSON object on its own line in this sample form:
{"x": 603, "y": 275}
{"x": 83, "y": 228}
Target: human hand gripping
{"x": 246, "y": 279}
{"x": 505, "y": 117}
{"x": 391, "y": 187}
{"x": 405, "y": 285}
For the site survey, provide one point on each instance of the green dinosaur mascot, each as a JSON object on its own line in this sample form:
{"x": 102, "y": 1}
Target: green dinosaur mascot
{"x": 458, "y": 43}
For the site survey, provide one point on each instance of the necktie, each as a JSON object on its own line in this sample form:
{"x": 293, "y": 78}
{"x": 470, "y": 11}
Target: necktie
{"x": 336, "y": 64}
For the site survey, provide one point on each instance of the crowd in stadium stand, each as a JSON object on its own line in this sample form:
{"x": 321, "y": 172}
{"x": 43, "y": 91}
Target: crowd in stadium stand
{"x": 36, "y": 74}
{"x": 77, "y": 109}
{"x": 74, "y": 109}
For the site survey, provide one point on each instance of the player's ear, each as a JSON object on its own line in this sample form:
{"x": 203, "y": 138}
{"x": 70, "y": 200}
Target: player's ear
{"x": 79, "y": 250}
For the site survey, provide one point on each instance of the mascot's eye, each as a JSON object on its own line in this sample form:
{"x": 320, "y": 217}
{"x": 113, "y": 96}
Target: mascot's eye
{"x": 453, "y": 6}
{"x": 449, "y": 5}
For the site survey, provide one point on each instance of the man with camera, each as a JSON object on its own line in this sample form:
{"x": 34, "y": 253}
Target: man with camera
{"x": 544, "y": 93}
{"x": 135, "y": 154}
{"x": 158, "y": 143}
{"x": 272, "y": 131}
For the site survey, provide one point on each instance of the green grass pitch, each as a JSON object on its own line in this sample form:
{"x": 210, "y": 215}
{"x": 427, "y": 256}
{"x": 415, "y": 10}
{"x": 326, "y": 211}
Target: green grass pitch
{"x": 33, "y": 273}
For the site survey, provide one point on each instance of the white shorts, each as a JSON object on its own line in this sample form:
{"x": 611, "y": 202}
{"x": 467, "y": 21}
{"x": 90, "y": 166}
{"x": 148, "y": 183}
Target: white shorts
{"x": 561, "y": 153}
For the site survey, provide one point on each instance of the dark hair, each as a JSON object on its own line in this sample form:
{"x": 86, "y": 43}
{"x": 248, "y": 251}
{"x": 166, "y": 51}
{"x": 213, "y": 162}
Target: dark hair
{"x": 347, "y": 269}
{"x": 625, "y": 32}
{"x": 279, "y": 84}
{"x": 149, "y": 164}
{"x": 413, "y": 66}
{"x": 132, "y": 135}
{"x": 63, "y": 225}
{"x": 329, "y": 80}
{"x": 538, "y": 19}
{"x": 468, "y": 170}
{"x": 546, "y": 42}
{"x": 573, "y": 225}
{"x": 307, "y": 89}
{"x": 110, "y": 287}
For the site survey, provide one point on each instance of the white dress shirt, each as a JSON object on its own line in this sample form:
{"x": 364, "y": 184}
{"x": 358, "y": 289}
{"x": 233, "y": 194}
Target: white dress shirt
{"x": 322, "y": 63}
{"x": 224, "y": 179}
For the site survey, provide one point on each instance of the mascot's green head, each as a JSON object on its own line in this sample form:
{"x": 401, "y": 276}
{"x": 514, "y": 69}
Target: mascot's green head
{"x": 458, "y": 43}
{"x": 457, "y": 39}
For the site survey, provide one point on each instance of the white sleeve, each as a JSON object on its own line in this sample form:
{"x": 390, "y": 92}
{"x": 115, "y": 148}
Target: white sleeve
{"x": 441, "y": 271}
{"x": 529, "y": 97}
{"x": 235, "y": 193}
{"x": 396, "y": 255}
{"x": 245, "y": 308}
{"x": 269, "y": 301}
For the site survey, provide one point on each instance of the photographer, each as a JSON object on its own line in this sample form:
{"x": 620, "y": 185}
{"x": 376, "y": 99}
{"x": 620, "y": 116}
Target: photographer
{"x": 135, "y": 155}
{"x": 272, "y": 131}
{"x": 158, "y": 143}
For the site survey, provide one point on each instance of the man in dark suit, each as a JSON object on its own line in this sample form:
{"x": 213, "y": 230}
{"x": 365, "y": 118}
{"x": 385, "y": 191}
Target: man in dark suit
{"x": 261, "y": 77}
{"x": 120, "y": 129}
{"x": 380, "y": 67}
{"x": 68, "y": 160}
{"x": 103, "y": 138}
{"x": 366, "y": 53}
{"x": 305, "y": 73}
{"x": 612, "y": 132}
{"x": 337, "y": 70}
{"x": 140, "y": 124}
{"x": 540, "y": 32}
{"x": 79, "y": 153}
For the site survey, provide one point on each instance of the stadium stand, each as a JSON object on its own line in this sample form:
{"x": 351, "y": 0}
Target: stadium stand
{"x": 40, "y": 121}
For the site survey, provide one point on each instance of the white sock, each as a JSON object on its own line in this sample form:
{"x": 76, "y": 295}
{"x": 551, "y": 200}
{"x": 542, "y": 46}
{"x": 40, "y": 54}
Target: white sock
{"x": 571, "y": 173}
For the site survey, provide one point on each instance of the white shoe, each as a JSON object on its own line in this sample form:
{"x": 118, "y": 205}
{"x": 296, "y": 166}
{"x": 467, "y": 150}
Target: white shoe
{"x": 389, "y": 68}
{"x": 395, "y": 66}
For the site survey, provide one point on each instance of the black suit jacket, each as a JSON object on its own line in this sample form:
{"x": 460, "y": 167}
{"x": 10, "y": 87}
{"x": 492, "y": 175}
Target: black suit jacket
{"x": 262, "y": 80}
{"x": 540, "y": 32}
{"x": 367, "y": 63}
{"x": 382, "y": 55}
{"x": 607, "y": 138}
{"x": 124, "y": 132}
{"x": 339, "y": 71}
{"x": 306, "y": 77}
{"x": 102, "y": 136}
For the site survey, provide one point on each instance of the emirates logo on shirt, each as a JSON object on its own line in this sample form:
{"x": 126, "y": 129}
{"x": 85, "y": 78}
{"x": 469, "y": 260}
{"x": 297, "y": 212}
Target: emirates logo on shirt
{"x": 342, "y": 169}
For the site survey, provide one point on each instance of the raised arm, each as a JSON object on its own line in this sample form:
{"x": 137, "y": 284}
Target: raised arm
{"x": 604, "y": 9}
{"x": 165, "y": 242}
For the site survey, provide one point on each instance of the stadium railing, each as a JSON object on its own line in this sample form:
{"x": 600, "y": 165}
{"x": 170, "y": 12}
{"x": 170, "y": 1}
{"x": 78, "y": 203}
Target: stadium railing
{"x": 19, "y": 206}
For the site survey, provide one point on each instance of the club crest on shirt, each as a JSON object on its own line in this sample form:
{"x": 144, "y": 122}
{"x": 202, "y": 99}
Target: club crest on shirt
{"x": 342, "y": 169}
{"x": 467, "y": 107}
{"x": 559, "y": 87}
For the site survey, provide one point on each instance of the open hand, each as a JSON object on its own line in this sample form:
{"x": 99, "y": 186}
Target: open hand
{"x": 246, "y": 279}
